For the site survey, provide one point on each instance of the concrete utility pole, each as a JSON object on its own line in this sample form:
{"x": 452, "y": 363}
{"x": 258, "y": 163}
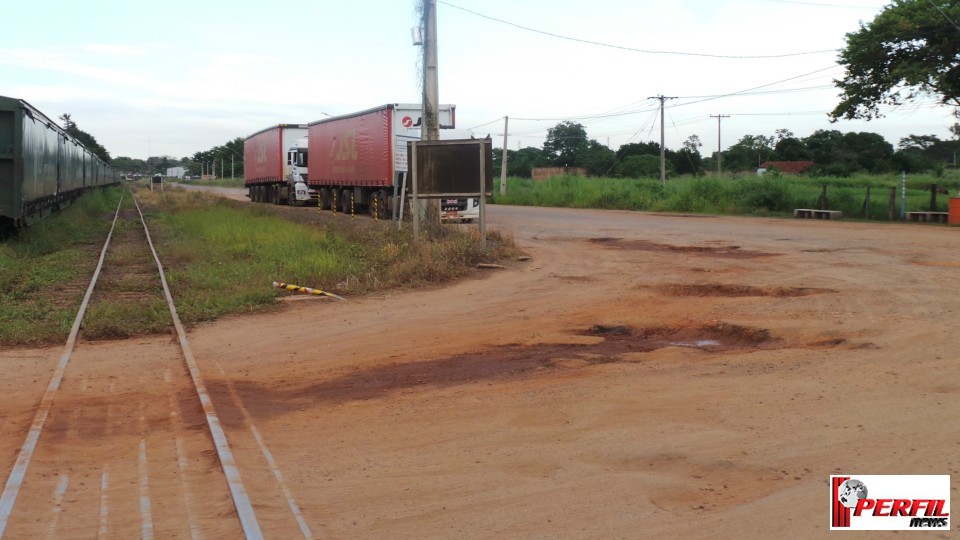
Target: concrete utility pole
{"x": 431, "y": 81}
{"x": 719, "y": 155}
{"x": 503, "y": 163}
{"x": 663, "y": 155}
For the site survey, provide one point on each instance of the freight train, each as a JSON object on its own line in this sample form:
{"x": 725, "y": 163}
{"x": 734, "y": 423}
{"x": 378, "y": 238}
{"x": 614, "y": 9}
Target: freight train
{"x": 42, "y": 168}
{"x": 356, "y": 161}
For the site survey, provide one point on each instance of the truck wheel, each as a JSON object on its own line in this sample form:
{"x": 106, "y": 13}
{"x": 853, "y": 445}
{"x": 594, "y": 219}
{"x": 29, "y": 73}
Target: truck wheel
{"x": 344, "y": 201}
{"x": 324, "y": 198}
{"x": 378, "y": 205}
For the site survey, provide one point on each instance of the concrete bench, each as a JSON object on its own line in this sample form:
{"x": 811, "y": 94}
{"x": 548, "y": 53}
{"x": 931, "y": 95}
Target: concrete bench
{"x": 809, "y": 213}
{"x": 925, "y": 217}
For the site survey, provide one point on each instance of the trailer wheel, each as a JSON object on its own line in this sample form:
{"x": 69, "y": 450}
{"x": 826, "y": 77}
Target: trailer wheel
{"x": 324, "y": 198}
{"x": 378, "y": 205}
{"x": 344, "y": 201}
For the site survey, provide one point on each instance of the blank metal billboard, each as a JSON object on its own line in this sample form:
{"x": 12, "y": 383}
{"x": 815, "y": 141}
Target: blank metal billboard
{"x": 449, "y": 168}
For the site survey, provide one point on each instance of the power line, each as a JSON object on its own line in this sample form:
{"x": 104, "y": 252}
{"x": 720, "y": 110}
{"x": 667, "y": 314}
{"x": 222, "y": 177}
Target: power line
{"x": 945, "y": 16}
{"x": 631, "y": 49}
{"x": 739, "y": 92}
{"x": 819, "y": 4}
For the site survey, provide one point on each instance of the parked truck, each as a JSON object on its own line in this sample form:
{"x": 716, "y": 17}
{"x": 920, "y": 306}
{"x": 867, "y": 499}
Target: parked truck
{"x": 358, "y": 161}
{"x": 275, "y": 165}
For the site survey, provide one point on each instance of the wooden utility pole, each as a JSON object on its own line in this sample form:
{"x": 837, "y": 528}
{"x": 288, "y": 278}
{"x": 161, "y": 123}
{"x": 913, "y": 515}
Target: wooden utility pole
{"x": 503, "y": 163}
{"x": 431, "y": 81}
{"x": 719, "y": 154}
{"x": 430, "y": 131}
{"x": 663, "y": 155}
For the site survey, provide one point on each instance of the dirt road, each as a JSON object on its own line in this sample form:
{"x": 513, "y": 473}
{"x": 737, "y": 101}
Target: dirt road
{"x": 642, "y": 376}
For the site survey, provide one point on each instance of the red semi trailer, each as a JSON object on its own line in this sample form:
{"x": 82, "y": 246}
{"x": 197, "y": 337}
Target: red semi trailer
{"x": 275, "y": 165}
{"x": 360, "y": 159}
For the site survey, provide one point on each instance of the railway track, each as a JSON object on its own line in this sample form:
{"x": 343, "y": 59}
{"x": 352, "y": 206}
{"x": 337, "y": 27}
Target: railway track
{"x": 131, "y": 445}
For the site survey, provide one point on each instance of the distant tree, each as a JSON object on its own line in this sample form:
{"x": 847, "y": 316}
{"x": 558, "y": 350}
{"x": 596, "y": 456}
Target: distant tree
{"x": 918, "y": 153}
{"x": 566, "y": 144}
{"x": 688, "y": 159}
{"x": 88, "y": 141}
{"x": 523, "y": 161}
{"x": 212, "y": 161}
{"x": 842, "y": 154}
{"x": 598, "y": 159}
{"x": 639, "y": 166}
{"x": 911, "y": 49}
{"x": 127, "y": 165}
{"x": 791, "y": 149}
{"x": 748, "y": 153}
{"x": 870, "y": 151}
{"x": 638, "y": 149}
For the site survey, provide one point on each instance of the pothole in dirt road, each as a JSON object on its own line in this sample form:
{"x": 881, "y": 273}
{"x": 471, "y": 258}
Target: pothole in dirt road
{"x": 713, "y": 337}
{"x": 733, "y": 252}
{"x": 733, "y": 291}
{"x": 507, "y": 362}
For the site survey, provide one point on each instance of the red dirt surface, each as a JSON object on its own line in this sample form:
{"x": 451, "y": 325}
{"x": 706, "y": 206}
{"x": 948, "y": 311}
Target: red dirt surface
{"x": 611, "y": 389}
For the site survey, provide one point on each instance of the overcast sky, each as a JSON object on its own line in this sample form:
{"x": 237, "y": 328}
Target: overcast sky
{"x": 178, "y": 76}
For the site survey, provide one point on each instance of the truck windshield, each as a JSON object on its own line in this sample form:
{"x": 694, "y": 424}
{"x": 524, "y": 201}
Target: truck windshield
{"x": 302, "y": 157}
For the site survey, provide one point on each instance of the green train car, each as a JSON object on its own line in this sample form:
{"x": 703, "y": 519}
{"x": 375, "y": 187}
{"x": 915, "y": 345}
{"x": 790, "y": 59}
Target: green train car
{"x": 42, "y": 168}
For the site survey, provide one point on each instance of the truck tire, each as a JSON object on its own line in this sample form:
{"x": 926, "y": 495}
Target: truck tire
{"x": 344, "y": 200}
{"x": 378, "y": 205}
{"x": 324, "y": 195}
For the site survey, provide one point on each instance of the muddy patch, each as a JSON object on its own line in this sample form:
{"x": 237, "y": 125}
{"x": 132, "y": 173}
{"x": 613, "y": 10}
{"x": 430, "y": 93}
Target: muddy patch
{"x": 614, "y": 345}
{"x": 731, "y": 252}
{"x": 733, "y": 291}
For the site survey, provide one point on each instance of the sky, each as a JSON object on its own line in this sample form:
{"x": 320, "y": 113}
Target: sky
{"x": 172, "y": 78}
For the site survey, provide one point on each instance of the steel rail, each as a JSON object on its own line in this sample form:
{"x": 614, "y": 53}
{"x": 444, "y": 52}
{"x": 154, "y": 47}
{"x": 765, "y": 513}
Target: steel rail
{"x": 248, "y": 520}
{"x": 241, "y": 501}
{"x": 12, "y": 488}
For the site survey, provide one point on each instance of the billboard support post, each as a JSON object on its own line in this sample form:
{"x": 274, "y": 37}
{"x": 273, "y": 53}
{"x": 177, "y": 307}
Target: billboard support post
{"x": 414, "y": 203}
{"x": 483, "y": 194}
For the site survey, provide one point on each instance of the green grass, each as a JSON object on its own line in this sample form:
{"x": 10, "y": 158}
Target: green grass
{"x": 220, "y": 256}
{"x": 772, "y": 194}
{"x": 223, "y": 256}
{"x": 219, "y": 182}
{"x": 45, "y": 269}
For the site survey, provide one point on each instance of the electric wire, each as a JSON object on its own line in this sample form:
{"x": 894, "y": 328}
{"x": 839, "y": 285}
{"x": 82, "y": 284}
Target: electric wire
{"x": 945, "y": 16}
{"x": 632, "y": 49}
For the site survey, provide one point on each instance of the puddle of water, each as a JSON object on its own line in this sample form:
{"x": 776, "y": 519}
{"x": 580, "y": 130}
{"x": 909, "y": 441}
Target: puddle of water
{"x": 699, "y": 344}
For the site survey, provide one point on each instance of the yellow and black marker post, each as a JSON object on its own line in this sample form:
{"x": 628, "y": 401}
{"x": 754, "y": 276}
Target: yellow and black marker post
{"x": 306, "y": 290}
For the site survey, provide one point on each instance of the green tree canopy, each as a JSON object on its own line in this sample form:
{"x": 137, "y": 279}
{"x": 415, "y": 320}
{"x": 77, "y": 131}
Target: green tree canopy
{"x": 911, "y": 49}
{"x": 639, "y": 166}
{"x": 749, "y": 152}
{"x": 87, "y": 140}
{"x": 566, "y": 144}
